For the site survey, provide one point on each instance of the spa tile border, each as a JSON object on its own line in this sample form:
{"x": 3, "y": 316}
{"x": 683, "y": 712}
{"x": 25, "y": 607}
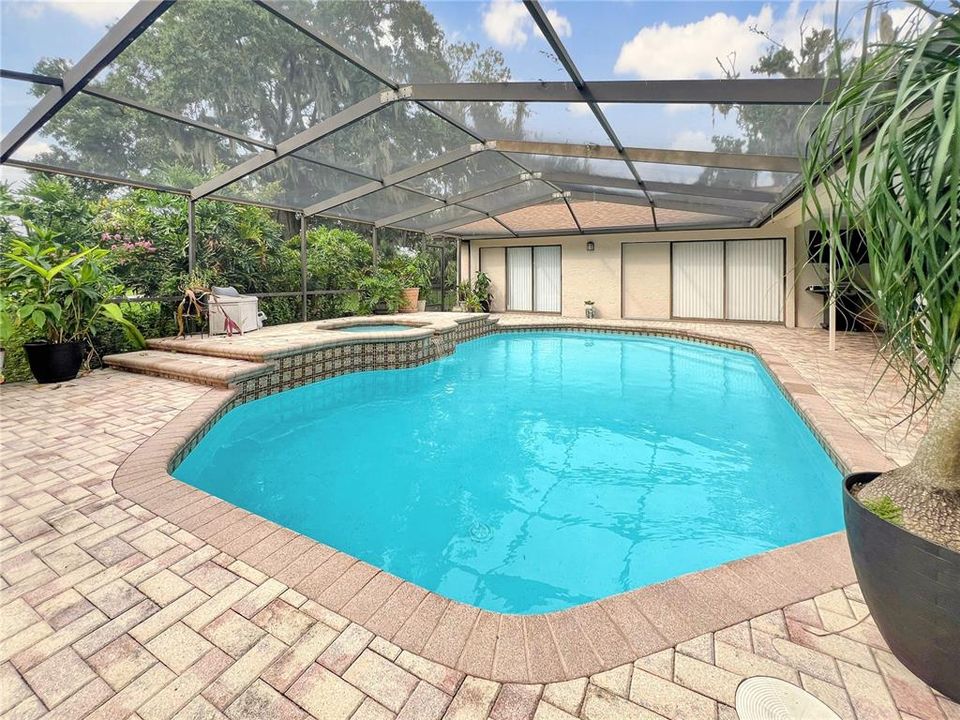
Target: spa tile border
{"x": 541, "y": 648}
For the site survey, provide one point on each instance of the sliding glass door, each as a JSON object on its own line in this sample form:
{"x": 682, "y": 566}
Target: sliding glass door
{"x": 533, "y": 278}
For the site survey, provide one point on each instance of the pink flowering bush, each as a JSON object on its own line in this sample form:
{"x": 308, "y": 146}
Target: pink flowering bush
{"x": 124, "y": 249}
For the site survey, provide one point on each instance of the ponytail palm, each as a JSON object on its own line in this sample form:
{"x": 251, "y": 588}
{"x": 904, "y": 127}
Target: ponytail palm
{"x": 885, "y": 160}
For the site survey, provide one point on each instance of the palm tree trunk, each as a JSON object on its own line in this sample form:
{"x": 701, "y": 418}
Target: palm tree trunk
{"x": 927, "y": 489}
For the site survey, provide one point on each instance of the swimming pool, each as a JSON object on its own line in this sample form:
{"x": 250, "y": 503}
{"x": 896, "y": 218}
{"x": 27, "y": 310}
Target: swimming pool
{"x": 384, "y": 327}
{"x": 530, "y": 472}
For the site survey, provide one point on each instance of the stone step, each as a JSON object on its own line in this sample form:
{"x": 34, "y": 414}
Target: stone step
{"x": 200, "y": 369}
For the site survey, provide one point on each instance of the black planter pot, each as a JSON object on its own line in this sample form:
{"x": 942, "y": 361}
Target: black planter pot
{"x": 912, "y": 587}
{"x": 54, "y": 362}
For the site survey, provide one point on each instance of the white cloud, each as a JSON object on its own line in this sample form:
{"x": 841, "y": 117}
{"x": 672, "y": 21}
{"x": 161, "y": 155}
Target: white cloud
{"x": 30, "y": 149}
{"x": 578, "y": 109}
{"x": 677, "y": 108}
{"x": 13, "y": 176}
{"x": 907, "y": 19}
{"x": 692, "y": 140}
{"x": 505, "y": 22}
{"x": 662, "y": 52}
{"x": 560, "y": 23}
{"x": 90, "y": 12}
{"x": 665, "y": 51}
{"x": 508, "y": 24}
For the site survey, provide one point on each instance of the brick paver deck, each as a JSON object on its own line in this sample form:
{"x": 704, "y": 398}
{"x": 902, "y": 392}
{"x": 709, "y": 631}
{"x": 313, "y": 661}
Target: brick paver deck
{"x": 110, "y": 611}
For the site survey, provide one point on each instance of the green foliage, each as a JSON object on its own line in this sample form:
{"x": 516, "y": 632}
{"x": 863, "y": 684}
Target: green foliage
{"x": 885, "y": 509}
{"x": 58, "y": 294}
{"x": 381, "y": 287}
{"x": 233, "y": 64}
{"x": 337, "y": 259}
{"x": 408, "y": 269}
{"x": 893, "y": 135}
{"x": 774, "y": 129}
{"x": 470, "y": 296}
{"x": 481, "y": 286}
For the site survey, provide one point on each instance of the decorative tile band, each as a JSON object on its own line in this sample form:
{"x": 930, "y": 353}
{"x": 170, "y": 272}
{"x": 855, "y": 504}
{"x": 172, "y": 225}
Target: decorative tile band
{"x": 296, "y": 370}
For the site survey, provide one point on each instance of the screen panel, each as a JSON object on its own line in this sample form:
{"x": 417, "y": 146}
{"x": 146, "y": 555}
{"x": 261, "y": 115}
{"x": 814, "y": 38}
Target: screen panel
{"x": 394, "y": 138}
{"x": 234, "y": 64}
{"x": 98, "y": 136}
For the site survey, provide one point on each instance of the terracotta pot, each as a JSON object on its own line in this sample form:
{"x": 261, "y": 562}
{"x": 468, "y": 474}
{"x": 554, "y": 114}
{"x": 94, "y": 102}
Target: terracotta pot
{"x": 410, "y": 298}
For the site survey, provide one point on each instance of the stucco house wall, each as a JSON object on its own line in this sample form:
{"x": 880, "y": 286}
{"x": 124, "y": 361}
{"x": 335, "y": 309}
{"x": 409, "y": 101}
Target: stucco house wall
{"x": 597, "y": 275}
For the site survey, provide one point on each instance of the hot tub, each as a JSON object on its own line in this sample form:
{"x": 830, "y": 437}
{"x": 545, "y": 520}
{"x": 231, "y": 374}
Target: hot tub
{"x": 374, "y": 328}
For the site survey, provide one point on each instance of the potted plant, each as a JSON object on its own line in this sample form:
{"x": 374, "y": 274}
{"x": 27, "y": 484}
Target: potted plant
{"x": 481, "y": 289}
{"x": 380, "y": 290}
{"x": 409, "y": 272}
{"x": 589, "y": 308}
{"x": 900, "y": 189}
{"x": 427, "y": 268}
{"x": 464, "y": 292}
{"x": 60, "y": 295}
{"x": 190, "y": 312}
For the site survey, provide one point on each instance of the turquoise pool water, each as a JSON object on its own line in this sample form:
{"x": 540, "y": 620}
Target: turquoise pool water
{"x": 529, "y": 472}
{"x": 385, "y": 327}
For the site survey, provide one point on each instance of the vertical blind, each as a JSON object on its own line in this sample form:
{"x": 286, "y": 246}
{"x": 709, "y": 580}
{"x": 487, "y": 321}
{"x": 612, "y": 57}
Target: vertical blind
{"x": 546, "y": 278}
{"x": 754, "y": 282}
{"x": 519, "y": 278}
{"x": 533, "y": 278}
{"x": 698, "y": 280}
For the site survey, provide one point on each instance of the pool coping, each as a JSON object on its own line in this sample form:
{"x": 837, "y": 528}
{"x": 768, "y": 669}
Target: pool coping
{"x": 538, "y": 648}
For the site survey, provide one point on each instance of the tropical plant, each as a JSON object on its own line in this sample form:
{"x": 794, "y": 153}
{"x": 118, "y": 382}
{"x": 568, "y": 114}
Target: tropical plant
{"x": 380, "y": 287}
{"x": 885, "y": 160}
{"x": 337, "y": 259}
{"x": 58, "y": 294}
{"x": 410, "y": 267}
{"x": 481, "y": 287}
{"x": 465, "y": 295}
{"x": 6, "y": 332}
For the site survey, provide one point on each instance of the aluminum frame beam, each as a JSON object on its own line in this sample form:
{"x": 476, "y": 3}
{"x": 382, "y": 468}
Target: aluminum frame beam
{"x": 454, "y": 223}
{"x": 342, "y": 119}
{"x": 668, "y": 203}
{"x": 442, "y": 160}
{"x": 553, "y": 39}
{"x": 30, "y": 77}
{"x": 733, "y": 161}
{"x": 274, "y": 8}
{"x": 137, "y": 105}
{"x": 117, "y": 38}
{"x": 763, "y": 91}
{"x": 209, "y": 127}
{"x": 698, "y": 189}
{"x": 752, "y": 210}
{"x": 500, "y": 211}
{"x": 587, "y": 231}
{"x": 457, "y": 199}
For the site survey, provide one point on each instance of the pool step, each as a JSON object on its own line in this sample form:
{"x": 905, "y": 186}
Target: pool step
{"x": 201, "y": 369}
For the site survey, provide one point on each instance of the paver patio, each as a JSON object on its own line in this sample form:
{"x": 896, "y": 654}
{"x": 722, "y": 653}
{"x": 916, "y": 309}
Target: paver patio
{"x": 109, "y": 611}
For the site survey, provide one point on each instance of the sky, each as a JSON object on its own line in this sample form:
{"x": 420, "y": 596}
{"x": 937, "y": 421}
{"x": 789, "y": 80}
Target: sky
{"x": 608, "y": 39}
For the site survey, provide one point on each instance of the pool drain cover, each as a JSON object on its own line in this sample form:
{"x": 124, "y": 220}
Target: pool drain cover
{"x": 766, "y": 698}
{"x": 481, "y": 532}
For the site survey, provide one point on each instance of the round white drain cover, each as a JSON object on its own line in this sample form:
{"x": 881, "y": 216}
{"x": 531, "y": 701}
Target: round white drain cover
{"x": 766, "y": 698}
